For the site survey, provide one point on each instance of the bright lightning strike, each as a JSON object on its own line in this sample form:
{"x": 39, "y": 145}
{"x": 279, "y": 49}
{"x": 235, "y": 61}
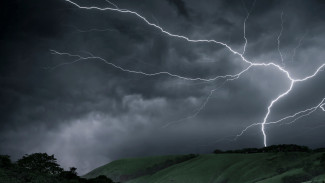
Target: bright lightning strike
{"x": 294, "y": 117}
{"x": 228, "y": 77}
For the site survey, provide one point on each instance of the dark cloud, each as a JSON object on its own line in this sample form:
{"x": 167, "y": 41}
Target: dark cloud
{"x": 89, "y": 113}
{"x": 181, "y": 7}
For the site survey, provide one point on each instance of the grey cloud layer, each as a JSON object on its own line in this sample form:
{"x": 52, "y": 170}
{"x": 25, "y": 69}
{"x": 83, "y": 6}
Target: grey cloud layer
{"x": 90, "y": 113}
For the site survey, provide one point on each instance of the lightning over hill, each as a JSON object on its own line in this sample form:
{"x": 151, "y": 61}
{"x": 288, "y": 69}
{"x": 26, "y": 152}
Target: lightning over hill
{"x": 250, "y": 64}
{"x": 93, "y": 81}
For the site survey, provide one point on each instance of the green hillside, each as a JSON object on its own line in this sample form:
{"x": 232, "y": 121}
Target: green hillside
{"x": 135, "y": 167}
{"x": 284, "y": 167}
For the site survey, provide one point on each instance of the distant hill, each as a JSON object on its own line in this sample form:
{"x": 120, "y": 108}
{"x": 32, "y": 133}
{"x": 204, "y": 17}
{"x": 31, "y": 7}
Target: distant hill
{"x": 270, "y": 167}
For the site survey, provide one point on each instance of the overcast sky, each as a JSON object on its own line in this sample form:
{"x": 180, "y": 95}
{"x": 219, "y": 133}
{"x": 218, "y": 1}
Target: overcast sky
{"x": 89, "y": 113}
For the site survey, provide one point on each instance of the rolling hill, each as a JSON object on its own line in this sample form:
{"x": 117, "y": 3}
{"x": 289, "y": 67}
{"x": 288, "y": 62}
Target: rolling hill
{"x": 286, "y": 167}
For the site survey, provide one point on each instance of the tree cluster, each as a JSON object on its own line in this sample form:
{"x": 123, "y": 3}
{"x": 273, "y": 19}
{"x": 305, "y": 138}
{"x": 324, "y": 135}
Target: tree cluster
{"x": 40, "y": 168}
{"x": 272, "y": 149}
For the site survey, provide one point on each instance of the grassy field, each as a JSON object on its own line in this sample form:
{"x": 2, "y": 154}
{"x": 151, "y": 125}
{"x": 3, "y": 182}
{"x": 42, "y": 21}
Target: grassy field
{"x": 218, "y": 168}
{"x": 130, "y": 166}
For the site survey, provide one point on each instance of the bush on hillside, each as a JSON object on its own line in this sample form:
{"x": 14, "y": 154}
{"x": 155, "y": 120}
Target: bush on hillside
{"x": 270, "y": 149}
{"x": 100, "y": 179}
{"x": 286, "y": 148}
{"x": 218, "y": 151}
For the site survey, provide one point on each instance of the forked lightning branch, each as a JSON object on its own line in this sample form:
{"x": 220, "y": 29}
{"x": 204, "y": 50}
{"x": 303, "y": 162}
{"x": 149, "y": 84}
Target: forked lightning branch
{"x": 249, "y": 64}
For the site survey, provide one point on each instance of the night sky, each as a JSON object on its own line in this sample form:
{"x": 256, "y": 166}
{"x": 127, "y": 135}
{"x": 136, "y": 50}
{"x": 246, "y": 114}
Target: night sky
{"x": 88, "y": 112}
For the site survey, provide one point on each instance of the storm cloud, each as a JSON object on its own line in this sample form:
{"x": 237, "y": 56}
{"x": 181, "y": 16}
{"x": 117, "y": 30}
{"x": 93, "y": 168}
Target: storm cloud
{"x": 89, "y": 113}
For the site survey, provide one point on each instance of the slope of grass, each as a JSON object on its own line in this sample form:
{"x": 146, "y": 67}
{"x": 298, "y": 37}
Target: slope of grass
{"x": 279, "y": 177}
{"x": 129, "y": 166}
{"x": 216, "y": 168}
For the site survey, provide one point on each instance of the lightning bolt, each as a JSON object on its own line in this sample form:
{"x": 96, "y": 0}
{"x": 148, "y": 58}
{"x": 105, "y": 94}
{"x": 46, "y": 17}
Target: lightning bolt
{"x": 323, "y": 107}
{"x": 299, "y": 44}
{"x": 246, "y": 18}
{"x": 196, "y": 113}
{"x": 228, "y": 77}
{"x": 201, "y": 107}
{"x": 92, "y": 57}
{"x": 279, "y": 37}
{"x": 302, "y": 114}
{"x": 155, "y": 19}
{"x": 109, "y": 2}
{"x": 296, "y": 116}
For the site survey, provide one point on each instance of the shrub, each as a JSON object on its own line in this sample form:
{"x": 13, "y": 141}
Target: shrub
{"x": 218, "y": 151}
{"x": 100, "y": 179}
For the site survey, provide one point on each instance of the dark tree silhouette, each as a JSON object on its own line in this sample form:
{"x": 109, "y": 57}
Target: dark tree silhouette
{"x": 41, "y": 168}
{"x": 40, "y": 163}
{"x": 100, "y": 179}
{"x": 271, "y": 149}
{"x": 5, "y": 161}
